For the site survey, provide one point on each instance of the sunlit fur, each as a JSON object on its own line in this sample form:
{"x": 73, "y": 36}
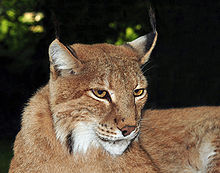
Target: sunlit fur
{"x": 183, "y": 140}
{"x": 67, "y": 128}
{"x": 98, "y": 113}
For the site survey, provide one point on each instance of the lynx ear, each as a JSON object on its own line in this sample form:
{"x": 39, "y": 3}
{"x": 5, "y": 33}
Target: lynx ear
{"x": 62, "y": 60}
{"x": 144, "y": 46}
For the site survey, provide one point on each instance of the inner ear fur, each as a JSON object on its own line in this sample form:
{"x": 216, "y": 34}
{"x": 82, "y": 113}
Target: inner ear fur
{"x": 62, "y": 60}
{"x": 144, "y": 45}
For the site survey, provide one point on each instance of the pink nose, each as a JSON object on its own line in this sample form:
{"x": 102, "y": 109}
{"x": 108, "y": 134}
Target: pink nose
{"x": 126, "y": 130}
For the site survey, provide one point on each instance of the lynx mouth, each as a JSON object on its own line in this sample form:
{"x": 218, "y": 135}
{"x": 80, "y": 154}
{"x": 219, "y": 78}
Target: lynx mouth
{"x": 109, "y": 140}
{"x": 115, "y": 141}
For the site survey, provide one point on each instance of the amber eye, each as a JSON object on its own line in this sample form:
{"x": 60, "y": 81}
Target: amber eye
{"x": 138, "y": 92}
{"x": 99, "y": 93}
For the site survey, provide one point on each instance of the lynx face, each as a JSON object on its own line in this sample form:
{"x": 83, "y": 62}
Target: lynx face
{"x": 97, "y": 93}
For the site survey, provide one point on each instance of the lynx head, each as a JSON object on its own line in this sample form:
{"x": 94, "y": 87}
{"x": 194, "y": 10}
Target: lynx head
{"x": 97, "y": 93}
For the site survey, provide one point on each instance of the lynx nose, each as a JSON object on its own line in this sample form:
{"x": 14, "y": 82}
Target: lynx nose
{"x": 126, "y": 130}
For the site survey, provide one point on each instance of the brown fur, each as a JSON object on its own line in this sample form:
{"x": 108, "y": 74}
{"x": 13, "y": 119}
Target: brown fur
{"x": 177, "y": 139}
{"x": 36, "y": 148}
{"x": 66, "y": 128}
{"x": 48, "y": 141}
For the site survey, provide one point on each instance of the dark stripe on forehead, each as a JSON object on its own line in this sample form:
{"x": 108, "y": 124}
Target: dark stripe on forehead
{"x": 69, "y": 142}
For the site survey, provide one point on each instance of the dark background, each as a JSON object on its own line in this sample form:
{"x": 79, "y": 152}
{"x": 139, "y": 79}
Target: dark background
{"x": 184, "y": 69}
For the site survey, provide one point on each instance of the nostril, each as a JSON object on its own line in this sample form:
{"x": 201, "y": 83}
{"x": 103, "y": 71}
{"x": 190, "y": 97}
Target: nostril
{"x": 126, "y": 130}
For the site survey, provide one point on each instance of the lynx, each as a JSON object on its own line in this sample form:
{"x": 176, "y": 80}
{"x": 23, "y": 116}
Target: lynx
{"x": 87, "y": 118}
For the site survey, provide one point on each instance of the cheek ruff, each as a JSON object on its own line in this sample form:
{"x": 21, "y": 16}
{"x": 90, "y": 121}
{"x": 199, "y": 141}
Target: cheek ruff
{"x": 87, "y": 135}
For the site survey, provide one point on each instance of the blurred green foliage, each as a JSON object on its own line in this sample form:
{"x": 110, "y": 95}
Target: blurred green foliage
{"x": 16, "y": 20}
{"x": 129, "y": 35}
{"x": 20, "y": 30}
{"x": 6, "y": 154}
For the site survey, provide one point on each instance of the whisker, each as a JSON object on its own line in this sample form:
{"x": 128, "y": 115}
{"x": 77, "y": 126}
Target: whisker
{"x": 148, "y": 62}
{"x": 149, "y": 69}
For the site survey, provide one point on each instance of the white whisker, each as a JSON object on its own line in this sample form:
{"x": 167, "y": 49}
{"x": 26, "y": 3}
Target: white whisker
{"x": 143, "y": 66}
{"x": 149, "y": 69}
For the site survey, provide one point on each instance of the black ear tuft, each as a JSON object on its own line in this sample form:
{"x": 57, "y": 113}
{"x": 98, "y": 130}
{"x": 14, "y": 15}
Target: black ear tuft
{"x": 56, "y": 25}
{"x": 152, "y": 19}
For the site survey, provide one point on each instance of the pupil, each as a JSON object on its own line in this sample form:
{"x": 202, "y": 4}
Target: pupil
{"x": 100, "y": 92}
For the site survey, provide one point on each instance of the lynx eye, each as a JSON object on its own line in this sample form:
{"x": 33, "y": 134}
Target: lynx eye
{"x": 138, "y": 92}
{"x": 100, "y": 93}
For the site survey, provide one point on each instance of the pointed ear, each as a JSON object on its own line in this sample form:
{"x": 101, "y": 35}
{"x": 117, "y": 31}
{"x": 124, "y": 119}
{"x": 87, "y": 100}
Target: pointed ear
{"x": 144, "y": 46}
{"x": 62, "y": 60}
